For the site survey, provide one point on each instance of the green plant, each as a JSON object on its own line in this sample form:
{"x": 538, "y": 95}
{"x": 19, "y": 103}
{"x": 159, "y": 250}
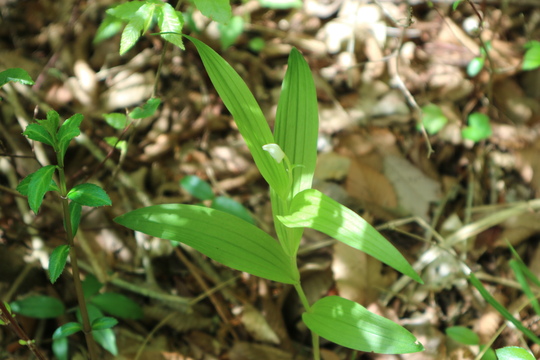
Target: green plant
{"x": 531, "y": 59}
{"x": 37, "y": 184}
{"x": 477, "y": 64}
{"x": 466, "y": 336}
{"x": 286, "y": 159}
{"x": 478, "y": 129}
{"x": 203, "y": 191}
{"x": 433, "y": 118}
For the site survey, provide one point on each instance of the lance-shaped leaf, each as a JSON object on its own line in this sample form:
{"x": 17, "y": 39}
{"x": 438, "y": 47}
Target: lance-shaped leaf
{"x": 66, "y": 330}
{"x": 223, "y": 237}
{"x": 57, "y": 262}
{"x": 68, "y": 130}
{"x": 247, "y": 114}
{"x": 38, "y": 133}
{"x": 313, "y": 209}
{"x": 296, "y": 132}
{"x": 89, "y": 195}
{"x": 351, "y": 325}
{"x": 171, "y": 21}
{"x": 39, "y": 185}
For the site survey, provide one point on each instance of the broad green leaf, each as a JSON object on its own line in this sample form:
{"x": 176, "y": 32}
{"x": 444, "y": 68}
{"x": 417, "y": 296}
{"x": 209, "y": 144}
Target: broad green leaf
{"x": 433, "y": 118}
{"x": 148, "y": 109}
{"x": 479, "y": 127}
{"x": 90, "y": 286}
{"x": 313, "y": 209}
{"x": 197, "y": 187}
{"x": 148, "y": 16}
{"x": 296, "y": 132}
{"x": 40, "y": 306}
{"x": 351, "y": 325}
{"x": 51, "y": 124}
{"x": 232, "y": 207}
{"x": 171, "y": 21}
{"x": 501, "y": 309}
{"x": 475, "y": 66}
{"x": 110, "y": 26}
{"x": 513, "y": 353}
{"x": 230, "y": 31}
{"x": 89, "y": 195}
{"x": 117, "y": 305}
{"x": 116, "y": 120}
{"x": 66, "y": 330}
{"x": 38, "y": 133}
{"x": 531, "y": 59}
{"x": 60, "y": 348}
{"x": 134, "y": 28}
{"x": 23, "y": 185}
{"x": 39, "y": 185}
{"x": 75, "y": 216}
{"x": 57, "y": 262}
{"x": 463, "y": 335}
{"x": 68, "y": 130}
{"x": 126, "y": 11}
{"x": 16, "y": 75}
{"x": 103, "y": 323}
{"x": 281, "y": 4}
{"x": 522, "y": 280}
{"x": 247, "y": 114}
{"x": 220, "y": 236}
{"x": 217, "y": 10}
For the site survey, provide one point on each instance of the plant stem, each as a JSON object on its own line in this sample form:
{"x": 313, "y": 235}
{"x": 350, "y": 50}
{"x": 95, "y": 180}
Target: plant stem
{"x": 7, "y": 318}
{"x": 87, "y": 328}
{"x": 314, "y": 337}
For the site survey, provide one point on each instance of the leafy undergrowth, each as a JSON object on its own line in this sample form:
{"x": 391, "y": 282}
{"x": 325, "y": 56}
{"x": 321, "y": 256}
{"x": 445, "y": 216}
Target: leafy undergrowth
{"x": 377, "y": 69}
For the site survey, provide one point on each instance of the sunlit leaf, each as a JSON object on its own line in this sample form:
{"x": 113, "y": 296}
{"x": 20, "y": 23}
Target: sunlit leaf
{"x": 17, "y": 75}
{"x": 531, "y": 59}
{"x": 218, "y": 10}
{"x": 148, "y": 109}
{"x": 57, "y": 262}
{"x": 110, "y": 26}
{"x": 433, "y": 118}
{"x": 221, "y": 236}
{"x": 38, "y": 133}
{"x": 68, "y": 130}
{"x": 351, "y": 325}
{"x": 247, "y": 114}
{"x": 116, "y": 120}
{"x": 231, "y": 31}
{"x": 171, "y": 21}
{"x": 475, "y": 66}
{"x": 103, "y": 323}
{"x": 513, "y": 353}
{"x": 313, "y": 209}
{"x": 281, "y": 4}
{"x": 23, "y": 185}
{"x": 479, "y": 127}
{"x": 126, "y": 11}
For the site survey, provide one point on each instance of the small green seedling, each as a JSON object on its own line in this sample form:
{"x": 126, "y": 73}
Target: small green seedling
{"x": 433, "y": 118}
{"x": 531, "y": 59}
{"x": 466, "y": 336}
{"x": 203, "y": 191}
{"x": 479, "y": 127}
{"x": 286, "y": 160}
{"x": 477, "y": 64}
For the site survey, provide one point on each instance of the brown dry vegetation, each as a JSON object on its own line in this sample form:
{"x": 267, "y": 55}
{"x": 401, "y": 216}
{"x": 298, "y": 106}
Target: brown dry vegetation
{"x": 374, "y": 64}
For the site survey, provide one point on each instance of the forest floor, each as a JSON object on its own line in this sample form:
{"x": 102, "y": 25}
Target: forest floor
{"x": 375, "y": 64}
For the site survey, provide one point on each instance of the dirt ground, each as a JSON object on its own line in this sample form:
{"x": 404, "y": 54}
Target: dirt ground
{"x": 375, "y": 64}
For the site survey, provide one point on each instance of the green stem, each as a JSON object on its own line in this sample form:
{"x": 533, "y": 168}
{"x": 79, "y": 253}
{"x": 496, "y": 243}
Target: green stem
{"x": 314, "y": 337}
{"x": 87, "y": 327}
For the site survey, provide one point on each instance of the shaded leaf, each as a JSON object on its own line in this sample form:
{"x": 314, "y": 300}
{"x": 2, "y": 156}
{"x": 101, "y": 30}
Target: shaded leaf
{"x": 66, "y": 330}
{"x": 197, "y": 187}
{"x": 231, "y": 31}
{"x": 23, "y": 185}
{"x": 247, "y": 114}
{"x": 232, "y": 207}
{"x": 463, "y": 335}
{"x": 75, "y": 216}
{"x": 60, "y": 348}
{"x": 57, "y": 262}
{"x": 40, "y": 183}
{"x": 117, "y": 305}
{"x": 38, "y": 133}
{"x": 116, "y": 120}
{"x": 68, "y": 130}
{"x": 40, "y": 306}
{"x": 103, "y": 323}
{"x": 107, "y": 339}
{"x": 90, "y": 285}
{"x": 89, "y": 195}
{"x": 351, "y": 325}
{"x": 479, "y": 127}
{"x": 313, "y": 209}
{"x": 433, "y": 118}
{"x": 17, "y": 75}
{"x": 221, "y": 236}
